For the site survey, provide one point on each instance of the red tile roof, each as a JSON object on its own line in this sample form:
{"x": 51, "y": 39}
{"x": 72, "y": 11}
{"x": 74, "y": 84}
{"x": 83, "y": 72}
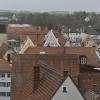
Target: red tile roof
{"x": 4, "y": 66}
{"x": 50, "y": 77}
{"x": 38, "y": 38}
{"x": 47, "y": 50}
{"x": 50, "y": 81}
{"x": 90, "y": 53}
{"x": 3, "y": 49}
{"x": 19, "y": 30}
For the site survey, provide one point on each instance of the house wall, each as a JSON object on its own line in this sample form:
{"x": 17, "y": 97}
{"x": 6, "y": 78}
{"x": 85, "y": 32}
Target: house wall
{"x": 71, "y": 94}
{"x": 88, "y": 52}
{"x": 5, "y": 88}
{"x": 60, "y": 62}
{"x": 89, "y": 81}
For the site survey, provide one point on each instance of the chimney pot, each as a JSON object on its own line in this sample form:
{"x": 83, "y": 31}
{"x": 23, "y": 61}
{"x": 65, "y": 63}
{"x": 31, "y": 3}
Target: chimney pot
{"x": 65, "y": 74}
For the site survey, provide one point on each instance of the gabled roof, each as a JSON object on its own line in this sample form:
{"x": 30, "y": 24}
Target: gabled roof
{"x": 48, "y": 85}
{"x": 50, "y": 81}
{"x": 72, "y": 92}
{"x": 28, "y": 43}
{"x": 9, "y": 51}
{"x": 51, "y": 40}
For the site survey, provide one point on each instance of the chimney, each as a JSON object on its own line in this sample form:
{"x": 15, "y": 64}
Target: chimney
{"x": 8, "y": 58}
{"x": 65, "y": 74}
{"x": 36, "y": 77}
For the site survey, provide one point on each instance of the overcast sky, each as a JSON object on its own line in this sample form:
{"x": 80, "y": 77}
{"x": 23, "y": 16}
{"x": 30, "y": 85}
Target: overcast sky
{"x": 51, "y": 5}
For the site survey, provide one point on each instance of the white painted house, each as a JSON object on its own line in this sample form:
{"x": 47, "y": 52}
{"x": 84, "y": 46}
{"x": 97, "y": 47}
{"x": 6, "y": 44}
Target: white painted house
{"x": 5, "y": 80}
{"x": 68, "y": 91}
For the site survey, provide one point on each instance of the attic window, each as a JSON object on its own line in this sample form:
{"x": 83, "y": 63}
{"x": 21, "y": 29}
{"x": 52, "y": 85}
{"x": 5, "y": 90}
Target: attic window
{"x": 64, "y": 90}
{"x": 83, "y": 60}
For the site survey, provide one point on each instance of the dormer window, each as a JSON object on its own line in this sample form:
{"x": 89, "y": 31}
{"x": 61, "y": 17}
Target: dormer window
{"x": 83, "y": 60}
{"x": 65, "y": 90}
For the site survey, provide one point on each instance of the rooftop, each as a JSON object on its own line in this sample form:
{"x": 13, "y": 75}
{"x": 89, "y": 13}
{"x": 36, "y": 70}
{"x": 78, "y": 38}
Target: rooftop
{"x": 4, "y": 66}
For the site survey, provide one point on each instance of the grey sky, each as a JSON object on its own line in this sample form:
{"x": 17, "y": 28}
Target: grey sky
{"x": 51, "y": 5}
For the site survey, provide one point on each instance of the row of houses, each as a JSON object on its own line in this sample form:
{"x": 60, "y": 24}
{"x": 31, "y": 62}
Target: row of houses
{"x": 17, "y": 31}
{"x": 37, "y": 77}
{"x": 43, "y": 68}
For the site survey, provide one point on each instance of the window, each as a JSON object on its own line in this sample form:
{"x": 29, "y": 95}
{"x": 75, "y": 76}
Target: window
{"x": 8, "y": 94}
{"x": 8, "y": 84}
{"x": 8, "y": 75}
{"x": 64, "y": 89}
{"x": 2, "y": 75}
{"x": 5, "y": 84}
{"x": 2, "y": 84}
{"x": 83, "y": 60}
{"x": 4, "y": 94}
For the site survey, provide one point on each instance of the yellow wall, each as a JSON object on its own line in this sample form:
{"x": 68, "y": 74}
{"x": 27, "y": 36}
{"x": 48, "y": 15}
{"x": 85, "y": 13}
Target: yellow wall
{"x": 3, "y": 38}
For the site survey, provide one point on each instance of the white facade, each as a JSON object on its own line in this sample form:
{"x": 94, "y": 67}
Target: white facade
{"x": 5, "y": 85}
{"x": 74, "y": 36}
{"x": 68, "y": 91}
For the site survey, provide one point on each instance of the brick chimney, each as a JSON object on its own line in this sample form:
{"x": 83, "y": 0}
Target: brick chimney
{"x": 36, "y": 77}
{"x": 65, "y": 74}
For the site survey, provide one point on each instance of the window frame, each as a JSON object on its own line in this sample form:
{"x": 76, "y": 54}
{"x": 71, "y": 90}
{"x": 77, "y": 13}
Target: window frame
{"x": 83, "y": 59}
{"x": 2, "y": 75}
